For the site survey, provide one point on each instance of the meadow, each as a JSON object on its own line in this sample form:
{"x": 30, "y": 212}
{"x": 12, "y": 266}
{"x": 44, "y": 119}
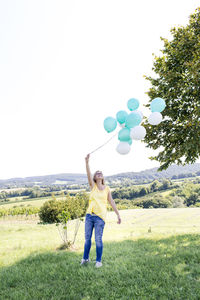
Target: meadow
{"x": 153, "y": 254}
{"x": 36, "y": 202}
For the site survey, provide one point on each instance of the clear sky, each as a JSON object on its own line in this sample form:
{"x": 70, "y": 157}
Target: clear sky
{"x": 65, "y": 65}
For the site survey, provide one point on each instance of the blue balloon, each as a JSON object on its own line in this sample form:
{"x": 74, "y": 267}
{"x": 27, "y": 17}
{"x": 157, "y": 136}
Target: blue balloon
{"x": 121, "y": 116}
{"x": 133, "y": 104}
{"x": 157, "y": 105}
{"x": 124, "y": 135}
{"x": 133, "y": 120}
{"x": 110, "y": 124}
{"x": 130, "y": 142}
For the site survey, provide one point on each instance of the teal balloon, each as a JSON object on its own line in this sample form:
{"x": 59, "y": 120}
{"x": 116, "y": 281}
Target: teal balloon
{"x": 110, "y": 124}
{"x": 124, "y": 135}
{"x": 121, "y": 116}
{"x": 133, "y": 119}
{"x": 130, "y": 142}
{"x": 133, "y": 104}
{"x": 157, "y": 105}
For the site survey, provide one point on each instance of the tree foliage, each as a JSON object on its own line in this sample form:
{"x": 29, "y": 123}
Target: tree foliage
{"x": 139, "y": 191}
{"x": 177, "y": 80}
{"x": 51, "y": 210}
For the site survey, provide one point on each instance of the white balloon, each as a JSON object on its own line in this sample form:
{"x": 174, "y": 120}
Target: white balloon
{"x": 155, "y": 118}
{"x": 138, "y": 132}
{"x": 123, "y": 148}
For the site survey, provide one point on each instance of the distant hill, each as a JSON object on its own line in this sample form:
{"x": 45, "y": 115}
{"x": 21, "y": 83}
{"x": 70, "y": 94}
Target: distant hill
{"x": 65, "y": 179}
{"x": 172, "y": 172}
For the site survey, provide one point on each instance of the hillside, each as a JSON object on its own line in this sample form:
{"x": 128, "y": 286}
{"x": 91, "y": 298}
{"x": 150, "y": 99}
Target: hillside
{"x": 69, "y": 179}
{"x": 65, "y": 178}
{"x": 173, "y": 172}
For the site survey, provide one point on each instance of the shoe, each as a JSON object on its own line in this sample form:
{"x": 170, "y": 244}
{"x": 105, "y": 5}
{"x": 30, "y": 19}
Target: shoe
{"x": 98, "y": 264}
{"x": 84, "y": 261}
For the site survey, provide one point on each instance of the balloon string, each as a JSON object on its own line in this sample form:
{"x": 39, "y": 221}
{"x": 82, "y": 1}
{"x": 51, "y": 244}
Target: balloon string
{"x": 104, "y": 143}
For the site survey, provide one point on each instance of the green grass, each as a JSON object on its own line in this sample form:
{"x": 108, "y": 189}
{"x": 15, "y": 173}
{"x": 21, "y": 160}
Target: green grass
{"x": 166, "y": 193}
{"x": 36, "y": 202}
{"x": 137, "y": 264}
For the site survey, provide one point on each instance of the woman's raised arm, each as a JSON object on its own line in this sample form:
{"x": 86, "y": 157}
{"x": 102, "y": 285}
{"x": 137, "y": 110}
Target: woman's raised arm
{"x": 89, "y": 175}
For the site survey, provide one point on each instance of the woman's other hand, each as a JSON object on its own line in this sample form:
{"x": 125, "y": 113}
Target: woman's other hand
{"x": 119, "y": 220}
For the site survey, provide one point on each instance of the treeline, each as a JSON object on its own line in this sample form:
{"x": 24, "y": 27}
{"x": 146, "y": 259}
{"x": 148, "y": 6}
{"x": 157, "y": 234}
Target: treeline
{"x": 135, "y": 192}
{"x": 187, "y": 175}
{"x": 157, "y": 201}
{"x": 34, "y": 192}
{"x": 29, "y": 193}
{"x": 185, "y": 195}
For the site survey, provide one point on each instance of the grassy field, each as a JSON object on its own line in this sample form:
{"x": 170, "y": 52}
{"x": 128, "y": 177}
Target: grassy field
{"x": 36, "y": 202}
{"x": 153, "y": 254}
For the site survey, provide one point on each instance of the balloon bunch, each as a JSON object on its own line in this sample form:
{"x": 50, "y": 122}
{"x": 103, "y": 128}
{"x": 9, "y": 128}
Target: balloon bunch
{"x": 130, "y": 123}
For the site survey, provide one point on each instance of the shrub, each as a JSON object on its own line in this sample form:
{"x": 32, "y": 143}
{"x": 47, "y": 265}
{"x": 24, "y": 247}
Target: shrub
{"x": 52, "y": 209}
{"x": 177, "y": 202}
{"x": 76, "y": 205}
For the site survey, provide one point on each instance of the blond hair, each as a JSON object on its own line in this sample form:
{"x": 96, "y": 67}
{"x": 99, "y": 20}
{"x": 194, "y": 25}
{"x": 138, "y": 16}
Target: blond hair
{"x": 103, "y": 181}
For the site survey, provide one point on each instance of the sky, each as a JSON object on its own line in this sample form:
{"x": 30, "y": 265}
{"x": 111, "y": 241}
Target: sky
{"x": 66, "y": 65}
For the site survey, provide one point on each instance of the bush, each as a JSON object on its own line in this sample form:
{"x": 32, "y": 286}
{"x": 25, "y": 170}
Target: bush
{"x": 177, "y": 202}
{"x": 50, "y": 211}
{"x": 76, "y": 206}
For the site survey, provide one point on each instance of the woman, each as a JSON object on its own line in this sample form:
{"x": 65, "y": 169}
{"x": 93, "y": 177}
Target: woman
{"x": 96, "y": 213}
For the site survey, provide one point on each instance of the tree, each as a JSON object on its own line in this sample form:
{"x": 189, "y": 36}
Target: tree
{"x": 177, "y": 81}
{"x": 155, "y": 186}
{"x": 192, "y": 199}
{"x": 143, "y": 191}
{"x": 62, "y": 228}
{"x": 165, "y": 184}
{"x": 177, "y": 202}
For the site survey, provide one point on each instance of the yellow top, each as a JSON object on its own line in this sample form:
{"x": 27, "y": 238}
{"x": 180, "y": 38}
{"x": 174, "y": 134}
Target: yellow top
{"x": 98, "y": 202}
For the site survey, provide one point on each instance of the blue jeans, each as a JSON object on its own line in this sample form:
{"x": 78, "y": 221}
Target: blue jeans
{"x": 93, "y": 222}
